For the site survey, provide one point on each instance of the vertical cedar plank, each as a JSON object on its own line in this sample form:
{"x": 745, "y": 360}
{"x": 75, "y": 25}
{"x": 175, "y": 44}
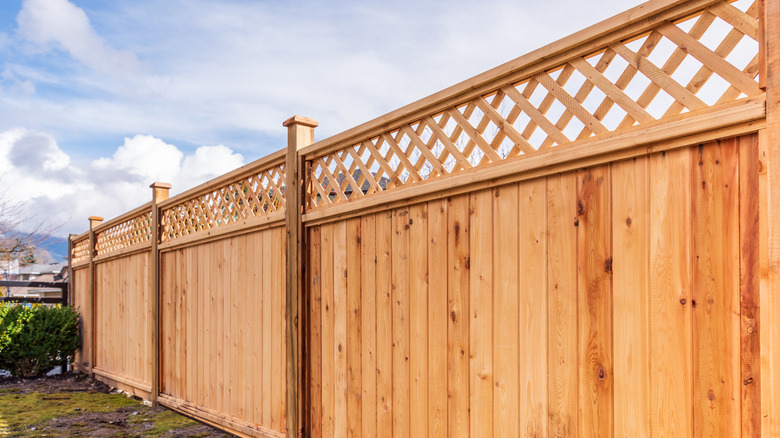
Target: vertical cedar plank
{"x": 209, "y": 266}
{"x": 253, "y": 320}
{"x": 280, "y": 309}
{"x": 631, "y": 297}
{"x": 749, "y": 284}
{"x": 326, "y": 276}
{"x": 506, "y": 396}
{"x": 418, "y": 319}
{"x": 191, "y": 326}
{"x": 340, "y": 327}
{"x": 458, "y": 263}
{"x": 368, "y": 298}
{"x": 268, "y": 328}
{"x": 242, "y": 300}
{"x": 384, "y": 325}
{"x": 233, "y": 358}
{"x": 481, "y": 313}
{"x": 671, "y": 365}
{"x": 594, "y": 288}
{"x": 315, "y": 331}
{"x": 563, "y": 361}
{"x": 219, "y": 333}
{"x": 533, "y": 332}
{"x": 437, "y": 318}
{"x": 166, "y": 318}
{"x": 716, "y": 315}
{"x": 400, "y": 305}
{"x": 354, "y": 335}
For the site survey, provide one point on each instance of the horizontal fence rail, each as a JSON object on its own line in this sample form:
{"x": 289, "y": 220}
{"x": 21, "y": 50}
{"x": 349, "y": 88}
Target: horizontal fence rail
{"x": 577, "y": 242}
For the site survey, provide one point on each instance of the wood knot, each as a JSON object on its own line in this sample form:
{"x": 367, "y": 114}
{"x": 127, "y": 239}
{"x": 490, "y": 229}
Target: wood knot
{"x": 710, "y": 395}
{"x": 750, "y": 330}
{"x": 683, "y": 301}
{"x": 452, "y": 315}
{"x": 748, "y": 381}
{"x": 602, "y": 373}
{"x": 608, "y": 265}
{"x": 411, "y": 221}
{"x": 693, "y": 303}
{"x": 628, "y": 221}
{"x": 339, "y": 348}
{"x": 576, "y": 222}
{"x": 580, "y": 206}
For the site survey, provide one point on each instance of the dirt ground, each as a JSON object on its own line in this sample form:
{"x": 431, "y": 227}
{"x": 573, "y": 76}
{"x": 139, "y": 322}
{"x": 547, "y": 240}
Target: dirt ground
{"x": 72, "y": 405}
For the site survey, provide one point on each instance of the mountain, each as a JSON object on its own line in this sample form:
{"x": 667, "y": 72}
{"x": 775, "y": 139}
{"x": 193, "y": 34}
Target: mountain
{"x": 57, "y": 247}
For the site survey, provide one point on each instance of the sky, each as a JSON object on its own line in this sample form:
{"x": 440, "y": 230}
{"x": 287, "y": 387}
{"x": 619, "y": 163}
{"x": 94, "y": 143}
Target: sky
{"x": 100, "y": 99}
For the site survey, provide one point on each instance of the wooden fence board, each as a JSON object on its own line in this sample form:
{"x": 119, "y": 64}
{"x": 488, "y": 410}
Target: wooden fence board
{"x": 354, "y": 340}
{"x": 594, "y": 288}
{"x": 400, "y": 326}
{"x": 716, "y": 284}
{"x": 671, "y": 355}
{"x": 384, "y": 324}
{"x": 368, "y": 325}
{"x": 437, "y": 319}
{"x": 563, "y": 353}
{"x": 458, "y": 262}
{"x": 631, "y": 297}
{"x": 328, "y": 398}
{"x": 749, "y": 284}
{"x": 481, "y": 314}
{"x": 506, "y": 308}
{"x": 418, "y": 320}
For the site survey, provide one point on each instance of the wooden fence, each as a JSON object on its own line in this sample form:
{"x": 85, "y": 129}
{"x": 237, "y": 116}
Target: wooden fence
{"x": 580, "y": 242}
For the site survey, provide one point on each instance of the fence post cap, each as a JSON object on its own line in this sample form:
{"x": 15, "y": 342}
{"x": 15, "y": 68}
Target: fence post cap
{"x": 96, "y": 218}
{"x": 301, "y": 120}
{"x": 160, "y": 185}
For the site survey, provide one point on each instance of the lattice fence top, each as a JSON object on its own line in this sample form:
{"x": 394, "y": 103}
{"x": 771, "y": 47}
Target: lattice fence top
{"x": 255, "y": 195}
{"x": 134, "y": 231}
{"x": 80, "y": 251}
{"x": 698, "y": 62}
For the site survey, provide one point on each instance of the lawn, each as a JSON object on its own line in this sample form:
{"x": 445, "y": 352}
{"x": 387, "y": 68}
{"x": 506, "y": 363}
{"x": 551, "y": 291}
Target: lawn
{"x": 76, "y": 406}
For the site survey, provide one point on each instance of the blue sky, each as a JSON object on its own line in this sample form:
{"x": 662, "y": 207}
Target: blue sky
{"x": 98, "y": 99}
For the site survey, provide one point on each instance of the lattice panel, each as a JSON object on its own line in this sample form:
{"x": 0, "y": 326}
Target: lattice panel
{"x": 80, "y": 251}
{"x": 129, "y": 233}
{"x": 699, "y": 62}
{"x": 256, "y": 195}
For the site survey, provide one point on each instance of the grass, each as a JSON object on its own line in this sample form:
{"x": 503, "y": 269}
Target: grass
{"x": 26, "y": 412}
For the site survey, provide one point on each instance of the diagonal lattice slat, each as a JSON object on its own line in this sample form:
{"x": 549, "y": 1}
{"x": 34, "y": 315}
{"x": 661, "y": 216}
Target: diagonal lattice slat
{"x": 80, "y": 251}
{"x": 254, "y": 195}
{"x": 132, "y": 232}
{"x": 704, "y": 59}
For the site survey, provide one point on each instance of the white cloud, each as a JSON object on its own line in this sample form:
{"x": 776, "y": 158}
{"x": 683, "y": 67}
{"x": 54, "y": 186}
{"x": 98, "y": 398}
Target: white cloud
{"x": 37, "y": 172}
{"x": 214, "y": 69}
{"x": 61, "y": 22}
{"x": 145, "y": 156}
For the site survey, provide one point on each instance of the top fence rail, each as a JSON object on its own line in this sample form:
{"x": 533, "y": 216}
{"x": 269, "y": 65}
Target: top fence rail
{"x": 654, "y": 62}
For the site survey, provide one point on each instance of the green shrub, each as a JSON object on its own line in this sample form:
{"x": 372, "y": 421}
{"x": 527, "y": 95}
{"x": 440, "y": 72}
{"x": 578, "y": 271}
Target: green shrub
{"x": 33, "y": 340}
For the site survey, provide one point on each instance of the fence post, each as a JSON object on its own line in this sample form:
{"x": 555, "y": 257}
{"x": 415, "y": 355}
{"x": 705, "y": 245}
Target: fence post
{"x": 70, "y": 268}
{"x": 94, "y": 221}
{"x": 300, "y": 133}
{"x": 159, "y": 194}
{"x": 769, "y": 20}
